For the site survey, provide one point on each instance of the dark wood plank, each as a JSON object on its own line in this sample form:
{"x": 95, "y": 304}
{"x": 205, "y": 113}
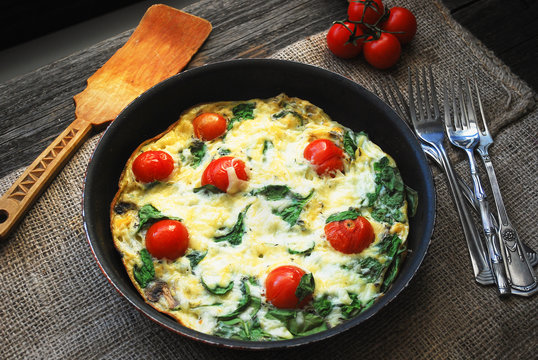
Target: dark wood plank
{"x": 241, "y": 29}
{"x": 508, "y": 28}
{"x": 27, "y": 20}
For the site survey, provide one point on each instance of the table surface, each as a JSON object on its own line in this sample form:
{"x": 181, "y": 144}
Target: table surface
{"x": 26, "y": 128}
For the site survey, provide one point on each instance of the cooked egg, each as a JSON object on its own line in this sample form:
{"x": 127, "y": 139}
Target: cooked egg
{"x": 218, "y": 286}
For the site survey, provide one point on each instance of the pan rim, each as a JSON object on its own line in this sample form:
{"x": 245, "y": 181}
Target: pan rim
{"x": 174, "y": 326}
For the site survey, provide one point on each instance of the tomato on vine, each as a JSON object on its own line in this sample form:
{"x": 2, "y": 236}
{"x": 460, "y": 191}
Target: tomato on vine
{"x": 344, "y": 39}
{"x": 383, "y": 52}
{"x": 365, "y": 11}
{"x": 400, "y": 23}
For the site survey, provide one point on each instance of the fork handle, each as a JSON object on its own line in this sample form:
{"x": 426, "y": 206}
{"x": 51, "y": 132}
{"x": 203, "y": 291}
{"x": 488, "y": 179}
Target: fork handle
{"x": 518, "y": 268}
{"x": 469, "y": 196}
{"x": 495, "y": 258}
{"x": 477, "y": 253}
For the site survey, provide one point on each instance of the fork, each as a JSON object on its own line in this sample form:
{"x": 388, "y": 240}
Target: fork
{"x": 429, "y": 128}
{"x": 462, "y": 132}
{"x": 394, "y": 97}
{"x": 516, "y": 260}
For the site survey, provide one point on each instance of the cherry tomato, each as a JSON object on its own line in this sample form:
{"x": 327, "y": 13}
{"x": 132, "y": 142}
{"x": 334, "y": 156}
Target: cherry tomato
{"x": 383, "y": 52}
{"x": 350, "y": 236}
{"x": 281, "y": 284}
{"x": 153, "y": 166}
{"x": 401, "y": 23}
{"x": 342, "y": 40}
{"x": 371, "y": 9}
{"x": 325, "y": 156}
{"x": 220, "y": 171}
{"x": 167, "y": 239}
{"x": 208, "y": 126}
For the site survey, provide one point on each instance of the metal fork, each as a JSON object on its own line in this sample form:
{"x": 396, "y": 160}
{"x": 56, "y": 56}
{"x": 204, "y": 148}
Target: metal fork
{"x": 518, "y": 266}
{"x": 462, "y": 132}
{"x": 430, "y": 129}
{"x": 394, "y": 97}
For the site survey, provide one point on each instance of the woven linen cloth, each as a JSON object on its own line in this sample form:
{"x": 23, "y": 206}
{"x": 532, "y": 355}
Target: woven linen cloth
{"x": 57, "y": 304}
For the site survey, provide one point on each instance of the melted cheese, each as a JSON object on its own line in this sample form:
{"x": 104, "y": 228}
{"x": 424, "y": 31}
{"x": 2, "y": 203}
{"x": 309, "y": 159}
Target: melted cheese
{"x": 268, "y": 238}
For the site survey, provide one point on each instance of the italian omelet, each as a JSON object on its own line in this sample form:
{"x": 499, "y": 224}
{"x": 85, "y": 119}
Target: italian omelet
{"x": 275, "y": 215}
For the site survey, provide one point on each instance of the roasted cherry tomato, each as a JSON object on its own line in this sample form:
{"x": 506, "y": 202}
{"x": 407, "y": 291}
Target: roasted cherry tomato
{"x": 224, "y": 173}
{"x": 342, "y": 40}
{"x": 367, "y": 11}
{"x": 383, "y": 52}
{"x": 153, "y": 166}
{"x": 208, "y": 126}
{"x": 167, "y": 239}
{"x": 350, "y": 236}
{"x": 281, "y": 284}
{"x": 401, "y": 23}
{"x": 326, "y": 157}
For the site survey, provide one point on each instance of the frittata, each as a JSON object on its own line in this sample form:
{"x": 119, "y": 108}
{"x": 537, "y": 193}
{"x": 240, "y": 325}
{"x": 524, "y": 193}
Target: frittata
{"x": 261, "y": 220}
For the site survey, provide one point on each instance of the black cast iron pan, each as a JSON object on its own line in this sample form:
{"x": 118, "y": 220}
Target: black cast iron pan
{"x": 154, "y": 111}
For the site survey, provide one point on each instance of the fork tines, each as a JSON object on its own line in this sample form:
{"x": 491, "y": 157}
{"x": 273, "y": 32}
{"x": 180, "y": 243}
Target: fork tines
{"x": 463, "y": 110}
{"x": 423, "y": 101}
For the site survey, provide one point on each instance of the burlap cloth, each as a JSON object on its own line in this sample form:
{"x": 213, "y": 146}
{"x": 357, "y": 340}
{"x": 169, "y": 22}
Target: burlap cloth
{"x": 56, "y": 303}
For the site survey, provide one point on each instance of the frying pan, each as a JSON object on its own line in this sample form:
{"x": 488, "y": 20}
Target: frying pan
{"x": 154, "y": 111}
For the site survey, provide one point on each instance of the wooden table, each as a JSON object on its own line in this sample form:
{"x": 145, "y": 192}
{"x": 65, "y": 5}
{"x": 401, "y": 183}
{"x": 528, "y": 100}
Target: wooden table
{"x": 36, "y": 107}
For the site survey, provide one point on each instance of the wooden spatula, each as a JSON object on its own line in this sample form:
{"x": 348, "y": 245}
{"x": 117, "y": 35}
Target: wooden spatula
{"x": 161, "y": 46}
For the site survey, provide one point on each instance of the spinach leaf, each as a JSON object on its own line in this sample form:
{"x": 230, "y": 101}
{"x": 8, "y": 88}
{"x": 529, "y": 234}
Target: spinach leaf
{"x": 349, "y": 144}
{"x": 149, "y": 213}
{"x": 267, "y": 144}
{"x": 198, "y": 150}
{"x": 241, "y": 112}
{"x": 371, "y": 269}
{"x": 280, "y": 314}
{"x": 243, "y": 330}
{"x": 256, "y": 304}
{"x": 389, "y": 244}
{"x": 206, "y": 305}
{"x": 230, "y": 329}
{"x": 285, "y": 112}
{"x": 299, "y": 323}
{"x": 235, "y": 235}
{"x": 291, "y": 213}
{"x": 195, "y": 257}
{"x": 350, "y": 310}
{"x": 145, "y": 273}
{"x": 412, "y": 201}
{"x": 224, "y": 152}
{"x": 350, "y": 214}
{"x": 389, "y": 195}
{"x": 208, "y": 189}
{"x": 306, "y": 287}
{"x": 308, "y": 325}
{"x": 243, "y": 302}
{"x": 305, "y": 252}
{"x": 392, "y": 271}
{"x": 272, "y": 192}
{"x": 218, "y": 290}
{"x": 323, "y": 305}
{"x": 279, "y": 114}
{"x": 368, "y": 268}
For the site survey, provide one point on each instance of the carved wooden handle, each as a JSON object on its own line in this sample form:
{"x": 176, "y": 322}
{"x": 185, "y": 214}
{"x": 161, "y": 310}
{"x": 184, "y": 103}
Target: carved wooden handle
{"x": 22, "y": 194}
